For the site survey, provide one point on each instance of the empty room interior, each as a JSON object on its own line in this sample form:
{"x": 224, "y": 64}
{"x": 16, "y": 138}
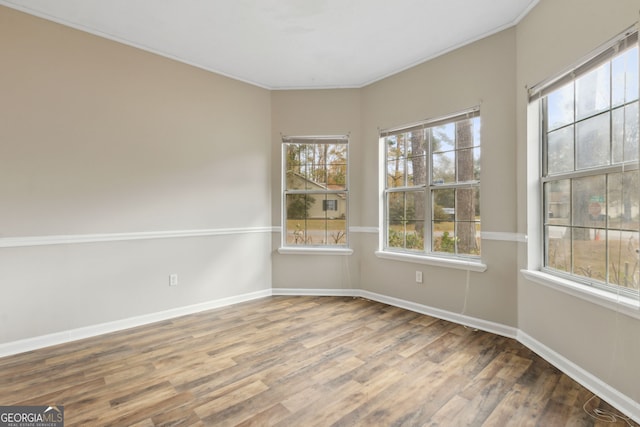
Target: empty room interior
{"x": 331, "y": 216}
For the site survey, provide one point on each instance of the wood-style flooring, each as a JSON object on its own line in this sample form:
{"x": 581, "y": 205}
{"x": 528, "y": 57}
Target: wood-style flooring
{"x": 299, "y": 361}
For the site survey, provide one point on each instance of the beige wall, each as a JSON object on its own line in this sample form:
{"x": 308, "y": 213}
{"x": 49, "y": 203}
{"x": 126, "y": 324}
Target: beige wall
{"x": 316, "y": 112}
{"x": 97, "y": 137}
{"x": 555, "y": 35}
{"x": 482, "y": 73}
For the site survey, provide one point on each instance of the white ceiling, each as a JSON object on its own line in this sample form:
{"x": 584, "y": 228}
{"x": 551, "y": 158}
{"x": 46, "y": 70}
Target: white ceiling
{"x": 286, "y": 44}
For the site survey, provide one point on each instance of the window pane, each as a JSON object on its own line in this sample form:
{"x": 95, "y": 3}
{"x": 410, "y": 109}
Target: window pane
{"x": 395, "y": 238}
{"x": 558, "y": 248}
{"x": 299, "y": 205}
{"x": 443, "y": 137}
{"x": 318, "y": 177}
{"x": 396, "y": 172}
{"x": 295, "y": 155}
{"x": 468, "y": 238}
{"x": 625, "y": 77}
{"x": 414, "y": 236}
{"x": 593, "y": 142}
{"x": 394, "y": 147}
{"x": 316, "y": 219}
{"x": 395, "y": 208}
{"x": 293, "y": 158}
{"x": 560, "y": 150}
{"x": 560, "y": 107}
{"x": 416, "y": 157}
{"x": 466, "y": 133}
{"x": 415, "y": 206}
{"x": 406, "y": 220}
{"x": 444, "y": 167}
{"x": 466, "y": 204}
{"x": 443, "y": 224}
{"x": 467, "y": 221}
{"x": 468, "y": 164}
{"x": 337, "y": 166}
{"x": 557, "y": 202}
{"x": 593, "y": 92}
{"x": 417, "y": 170}
{"x": 415, "y": 143}
{"x": 625, "y": 133}
{"x": 295, "y": 181}
{"x": 623, "y": 259}
{"x": 622, "y": 200}
{"x": 444, "y": 204}
{"x": 336, "y": 232}
{"x": 589, "y": 201}
{"x": 476, "y": 163}
{"x": 590, "y": 253}
{"x": 306, "y": 163}
{"x": 444, "y": 238}
{"x": 296, "y": 233}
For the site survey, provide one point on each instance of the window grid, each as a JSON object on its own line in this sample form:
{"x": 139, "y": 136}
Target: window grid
{"x": 315, "y": 191}
{"x": 590, "y": 180}
{"x": 432, "y": 182}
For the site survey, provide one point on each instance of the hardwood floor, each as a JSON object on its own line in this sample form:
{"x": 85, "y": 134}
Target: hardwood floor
{"x": 298, "y": 361}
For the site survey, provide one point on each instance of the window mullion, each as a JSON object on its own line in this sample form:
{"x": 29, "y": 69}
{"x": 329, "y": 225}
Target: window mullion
{"x": 617, "y": 168}
{"x": 428, "y": 222}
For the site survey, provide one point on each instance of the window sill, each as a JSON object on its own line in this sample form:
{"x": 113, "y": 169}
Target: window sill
{"x": 314, "y": 251}
{"x": 618, "y": 303}
{"x": 457, "y": 263}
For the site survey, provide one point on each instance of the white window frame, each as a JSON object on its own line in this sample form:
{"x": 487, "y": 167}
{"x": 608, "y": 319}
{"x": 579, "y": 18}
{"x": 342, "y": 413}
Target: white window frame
{"x": 313, "y": 247}
{"x": 611, "y": 296}
{"x": 426, "y": 256}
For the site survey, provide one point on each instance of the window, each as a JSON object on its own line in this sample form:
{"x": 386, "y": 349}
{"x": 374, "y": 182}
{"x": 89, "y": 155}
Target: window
{"x": 432, "y": 187}
{"x": 589, "y": 177}
{"x": 316, "y": 198}
{"x": 330, "y": 205}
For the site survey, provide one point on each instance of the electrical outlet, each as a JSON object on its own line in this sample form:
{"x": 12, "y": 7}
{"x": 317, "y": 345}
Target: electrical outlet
{"x": 173, "y": 280}
{"x": 418, "y": 276}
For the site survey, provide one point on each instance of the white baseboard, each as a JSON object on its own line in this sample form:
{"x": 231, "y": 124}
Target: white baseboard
{"x": 316, "y": 292}
{"x": 73, "y": 239}
{"x": 48, "y": 340}
{"x": 484, "y": 325}
{"x": 619, "y": 400}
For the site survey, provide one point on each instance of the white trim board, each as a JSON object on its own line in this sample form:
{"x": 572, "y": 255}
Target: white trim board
{"x": 70, "y": 239}
{"x": 15, "y": 242}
